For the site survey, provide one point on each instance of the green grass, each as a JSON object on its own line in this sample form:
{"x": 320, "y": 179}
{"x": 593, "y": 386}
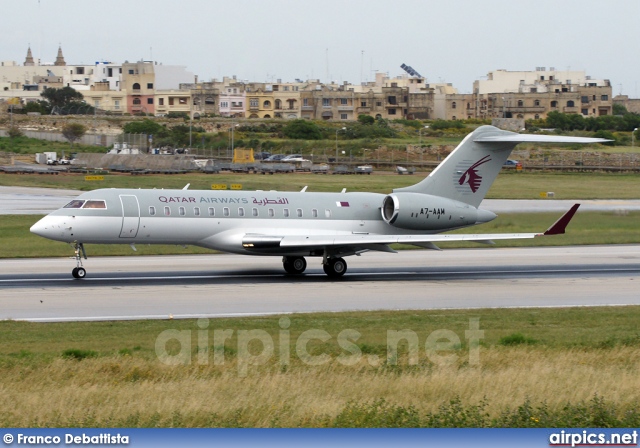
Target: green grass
{"x": 508, "y": 185}
{"x": 562, "y": 328}
{"x": 586, "y": 228}
{"x": 26, "y": 145}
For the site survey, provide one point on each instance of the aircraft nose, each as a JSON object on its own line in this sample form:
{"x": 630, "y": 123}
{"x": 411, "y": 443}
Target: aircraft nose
{"x": 42, "y": 227}
{"x": 48, "y": 227}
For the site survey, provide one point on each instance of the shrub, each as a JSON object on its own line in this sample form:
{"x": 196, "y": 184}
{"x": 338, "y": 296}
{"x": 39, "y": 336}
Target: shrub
{"x": 302, "y": 130}
{"x": 14, "y": 132}
{"x": 78, "y": 354}
{"x": 516, "y": 339}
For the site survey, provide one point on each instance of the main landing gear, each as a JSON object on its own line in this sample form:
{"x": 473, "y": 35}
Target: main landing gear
{"x": 79, "y": 272}
{"x": 294, "y": 265}
{"x": 333, "y": 267}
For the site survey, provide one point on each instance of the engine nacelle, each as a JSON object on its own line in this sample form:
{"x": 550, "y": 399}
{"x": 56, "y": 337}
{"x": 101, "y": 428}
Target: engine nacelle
{"x": 417, "y": 211}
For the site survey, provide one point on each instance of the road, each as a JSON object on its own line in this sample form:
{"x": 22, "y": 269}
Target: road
{"x": 232, "y": 285}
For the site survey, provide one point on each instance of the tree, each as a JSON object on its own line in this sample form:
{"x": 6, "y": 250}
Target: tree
{"x": 14, "y": 132}
{"x": 619, "y": 109}
{"x": 73, "y": 131}
{"x": 61, "y": 98}
{"x": 146, "y": 126}
{"x": 302, "y": 130}
{"x": 366, "y": 119}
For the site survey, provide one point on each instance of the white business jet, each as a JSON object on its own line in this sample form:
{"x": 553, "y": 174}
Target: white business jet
{"x": 295, "y": 225}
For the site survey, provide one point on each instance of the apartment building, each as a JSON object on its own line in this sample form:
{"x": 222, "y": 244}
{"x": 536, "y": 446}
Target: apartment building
{"x": 156, "y": 89}
{"x": 103, "y": 99}
{"x": 138, "y": 81}
{"x": 286, "y": 98}
{"x": 533, "y": 94}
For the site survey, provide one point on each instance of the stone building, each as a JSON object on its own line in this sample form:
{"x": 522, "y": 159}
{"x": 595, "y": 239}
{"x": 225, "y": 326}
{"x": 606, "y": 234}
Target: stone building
{"x": 533, "y": 94}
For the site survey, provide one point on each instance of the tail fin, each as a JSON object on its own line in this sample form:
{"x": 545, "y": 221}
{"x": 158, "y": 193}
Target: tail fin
{"x": 469, "y": 171}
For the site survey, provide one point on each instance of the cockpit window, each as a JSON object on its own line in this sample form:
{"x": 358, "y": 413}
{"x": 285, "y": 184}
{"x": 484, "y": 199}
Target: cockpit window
{"x": 95, "y": 204}
{"x": 76, "y": 203}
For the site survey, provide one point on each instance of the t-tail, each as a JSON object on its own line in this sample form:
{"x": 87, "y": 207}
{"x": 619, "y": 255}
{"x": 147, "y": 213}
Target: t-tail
{"x": 469, "y": 171}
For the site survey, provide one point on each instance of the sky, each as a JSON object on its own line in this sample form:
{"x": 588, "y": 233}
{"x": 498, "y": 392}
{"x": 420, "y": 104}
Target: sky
{"x": 453, "y": 41}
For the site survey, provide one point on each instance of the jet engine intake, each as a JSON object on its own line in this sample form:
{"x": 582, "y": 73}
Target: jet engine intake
{"x": 417, "y": 211}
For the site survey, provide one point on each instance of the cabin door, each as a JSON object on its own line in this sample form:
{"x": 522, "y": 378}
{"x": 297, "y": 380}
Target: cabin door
{"x": 130, "y": 216}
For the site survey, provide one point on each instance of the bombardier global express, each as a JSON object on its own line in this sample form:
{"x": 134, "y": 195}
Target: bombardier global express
{"x": 295, "y": 225}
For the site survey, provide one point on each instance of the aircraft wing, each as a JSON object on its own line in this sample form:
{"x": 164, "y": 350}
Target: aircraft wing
{"x": 378, "y": 242}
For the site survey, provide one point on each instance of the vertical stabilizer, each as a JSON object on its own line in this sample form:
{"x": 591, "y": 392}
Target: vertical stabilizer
{"x": 468, "y": 172}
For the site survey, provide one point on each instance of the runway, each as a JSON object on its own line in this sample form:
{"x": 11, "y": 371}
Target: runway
{"x": 231, "y": 285}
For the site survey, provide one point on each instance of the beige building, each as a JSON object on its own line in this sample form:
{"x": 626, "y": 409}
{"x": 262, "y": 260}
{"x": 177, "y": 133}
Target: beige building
{"x": 173, "y": 100}
{"x": 531, "y": 95}
{"x": 138, "y": 82}
{"x": 105, "y": 100}
{"x": 631, "y": 104}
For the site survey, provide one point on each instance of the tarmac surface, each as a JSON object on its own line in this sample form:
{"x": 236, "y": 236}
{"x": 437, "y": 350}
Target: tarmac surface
{"x": 123, "y": 288}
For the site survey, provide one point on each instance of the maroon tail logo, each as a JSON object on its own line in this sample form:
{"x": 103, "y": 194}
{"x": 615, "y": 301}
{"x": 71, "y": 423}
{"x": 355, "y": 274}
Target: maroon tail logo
{"x": 472, "y": 177}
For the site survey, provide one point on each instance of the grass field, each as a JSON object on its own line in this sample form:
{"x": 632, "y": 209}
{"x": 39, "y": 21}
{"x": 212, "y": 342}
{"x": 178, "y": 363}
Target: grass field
{"x": 509, "y": 184}
{"x": 535, "y": 367}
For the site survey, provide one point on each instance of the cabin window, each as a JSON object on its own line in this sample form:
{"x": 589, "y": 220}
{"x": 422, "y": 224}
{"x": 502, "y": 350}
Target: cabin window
{"x": 196, "y": 211}
{"x": 240, "y": 211}
{"x": 167, "y": 211}
{"x": 327, "y": 213}
{"x": 271, "y": 213}
{"x": 152, "y": 211}
{"x": 95, "y": 204}
{"x": 182, "y": 211}
{"x": 299, "y": 212}
{"x": 225, "y": 211}
{"x": 314, "y": 213}
{"x": 212, "y": 211}
{"x": 286, "y": 212}
{"x": 254, "y": 212}
{"x": 75, "y": 204}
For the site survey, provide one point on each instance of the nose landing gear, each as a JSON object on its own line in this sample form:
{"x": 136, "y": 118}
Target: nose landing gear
{"x": 79, "y": 253}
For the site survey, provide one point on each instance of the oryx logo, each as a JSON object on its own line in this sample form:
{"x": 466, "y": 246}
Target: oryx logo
{"x": 472, "y": 177}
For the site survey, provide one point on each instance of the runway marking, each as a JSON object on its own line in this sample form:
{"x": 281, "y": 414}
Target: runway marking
{"x": 319, "y": 274}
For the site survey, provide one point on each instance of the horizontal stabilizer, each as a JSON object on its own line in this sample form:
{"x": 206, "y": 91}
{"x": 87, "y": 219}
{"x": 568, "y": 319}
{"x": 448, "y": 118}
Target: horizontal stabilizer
{"x": 533, "y": 138}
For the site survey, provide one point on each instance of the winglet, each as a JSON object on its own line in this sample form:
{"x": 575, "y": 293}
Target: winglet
{"x": 560, "y": 225}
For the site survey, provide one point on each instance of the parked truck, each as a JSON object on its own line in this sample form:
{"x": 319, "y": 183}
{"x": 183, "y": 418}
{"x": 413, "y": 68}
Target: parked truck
{"x": 47, "y": 158}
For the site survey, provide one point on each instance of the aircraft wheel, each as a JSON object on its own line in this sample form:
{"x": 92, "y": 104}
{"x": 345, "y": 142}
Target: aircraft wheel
{"x": 79, "y": 273}
{"x": 294, "y": 265}
{"x": 335, "y": 267}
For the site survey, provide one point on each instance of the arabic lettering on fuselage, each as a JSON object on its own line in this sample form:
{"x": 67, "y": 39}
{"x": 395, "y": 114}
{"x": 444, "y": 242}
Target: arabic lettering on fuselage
{"x": 266, "y": 201}
{"x": 193, "y": 200}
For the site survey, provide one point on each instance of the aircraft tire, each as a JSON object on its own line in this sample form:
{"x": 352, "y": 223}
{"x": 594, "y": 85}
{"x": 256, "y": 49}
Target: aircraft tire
{"x": 294, "y": 265}
{"x": 335, "y": 267}
{"x": 79, "y": 273}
